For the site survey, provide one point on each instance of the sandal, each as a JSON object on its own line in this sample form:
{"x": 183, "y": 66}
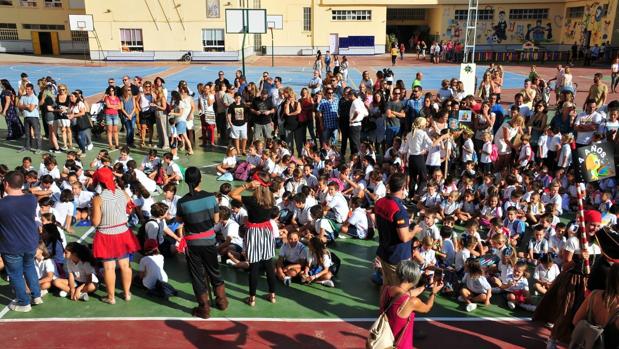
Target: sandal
{"x": 251, "y": 301}
{"x": 127, "y": 297}
{"x": 108, "y": 301}
{"x": 271, "y": 298}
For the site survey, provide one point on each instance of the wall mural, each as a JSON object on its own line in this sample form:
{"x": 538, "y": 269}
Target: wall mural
{"x": 555, "y": 29}
{"x": 595, "y": 19}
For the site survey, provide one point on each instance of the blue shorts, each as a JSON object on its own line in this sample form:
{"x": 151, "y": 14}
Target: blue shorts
{"x": 315, "y": 270}
{"x": 181, "y": 127}
{"x": 112, "y": 120}
{"x": 352, "y": 231}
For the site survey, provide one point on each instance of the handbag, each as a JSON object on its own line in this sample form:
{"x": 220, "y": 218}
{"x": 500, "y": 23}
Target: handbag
{"x": 588, "y": 335}
{"x": 83, "y": 122}
{"x": 381, "y": 336}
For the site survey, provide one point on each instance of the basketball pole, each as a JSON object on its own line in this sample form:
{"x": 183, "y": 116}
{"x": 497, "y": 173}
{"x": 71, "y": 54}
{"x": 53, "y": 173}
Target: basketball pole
{"x": 272, "y": 49}
{"x": 243, "y": 49}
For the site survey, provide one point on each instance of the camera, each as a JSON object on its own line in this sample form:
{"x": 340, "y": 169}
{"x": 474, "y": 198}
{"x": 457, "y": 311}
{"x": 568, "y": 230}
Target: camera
{"x": 388, "y": 73}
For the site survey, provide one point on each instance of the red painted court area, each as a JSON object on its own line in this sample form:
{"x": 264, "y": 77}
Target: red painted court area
{"x": 258, "y": 334}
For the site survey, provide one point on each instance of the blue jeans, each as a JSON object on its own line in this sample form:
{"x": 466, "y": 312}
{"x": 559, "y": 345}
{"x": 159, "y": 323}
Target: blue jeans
{"x": 20, "y": 267}
{"x": 130, "y": 130}
{"x": 390, "y": 133}
{"x": 329, "y": 134}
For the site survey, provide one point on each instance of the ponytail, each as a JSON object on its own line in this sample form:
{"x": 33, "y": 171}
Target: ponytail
{"x": 193, "y": 177}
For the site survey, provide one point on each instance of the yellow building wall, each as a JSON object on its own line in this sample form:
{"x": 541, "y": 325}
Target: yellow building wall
{"x": 39, "y": 14}
{"x": 325, "y": 25}
{"x": 594, "y": 19}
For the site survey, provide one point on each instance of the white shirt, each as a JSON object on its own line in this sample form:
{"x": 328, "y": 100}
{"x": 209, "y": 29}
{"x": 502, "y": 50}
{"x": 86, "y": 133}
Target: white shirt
{"x": 359, "y": 219}
{"x": 62, "y": 210}
{"x": 486, "y": 151}
{"x": 339, "y": 205}
{"x": 461, "y": 257}
{"x": 83, "y": 200}
{"x": 174, "y": 169}
{"x": 450, "y": 251}
{"x": 230, "y": 230}
{"x": 565, "y": 156}
{"x": 148, "y": 183}
{"x": 43, "y": 267}
{"x": 584, "y": 137}
{"x": 302, "y": 215}
{"x": 476, "y": 285}
{"x": 554, "y": 143}
{"x": 81, "y": 271}
{"x": 152, "y": 266}
{"x": 416, "y": 144}
{"x": 360, "y": 110}
{"x": 546, "y": 275}
{"x": 542, "y": 145}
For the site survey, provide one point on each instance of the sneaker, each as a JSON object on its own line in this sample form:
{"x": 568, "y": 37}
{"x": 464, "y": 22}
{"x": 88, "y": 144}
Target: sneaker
{"x": 63, "y": 294}
{"x": 64, "y": 148}
{"x": 230, "y": 262}
{"x": 470, "y": 307}
{"x": 84, "y": 297}
{"x": 528, "y": 307}
{"x": 218, "y": 258}
{"x": 511, "y": 305}
{"x": 496, "y": 290}
{"x": 44, "y": 293}
{"x": 287, "y": 280}
{"x": 22, "y": 149}
{"x": 461, "y": 299}
{"x": 175, "y": 157}
{"x": 37, "y": 301}
{"x": 89, "y": 146}
{"x": 20, "y": 308}
{"x": 549, "y": 325}
{"x": 328, "y": 283}
{"x": 219, "y": 173}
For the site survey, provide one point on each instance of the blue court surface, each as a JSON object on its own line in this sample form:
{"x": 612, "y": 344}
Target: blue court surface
{"x": 433, "y": 75}
{"x": 93, "y": 80}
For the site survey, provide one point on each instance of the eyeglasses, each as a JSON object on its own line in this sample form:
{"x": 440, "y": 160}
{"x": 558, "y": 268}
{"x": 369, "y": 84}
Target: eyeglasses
{"x": 146, "y": 86}
{"x": 61, "y": 89}
{"x": 125, "y": 79}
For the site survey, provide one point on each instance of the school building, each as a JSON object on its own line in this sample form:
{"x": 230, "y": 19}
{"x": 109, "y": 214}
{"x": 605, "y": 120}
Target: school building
{"x": 167, "y": 29}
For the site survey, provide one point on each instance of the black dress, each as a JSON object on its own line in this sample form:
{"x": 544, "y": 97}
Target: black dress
{"x": 15, "y": 127}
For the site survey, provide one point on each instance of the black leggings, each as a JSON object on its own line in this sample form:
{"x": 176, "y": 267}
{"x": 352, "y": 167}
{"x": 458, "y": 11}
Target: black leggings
{"x": 254, "y": 273}
{"x": 296, "y": 139}
{"x": 418, "y": 174}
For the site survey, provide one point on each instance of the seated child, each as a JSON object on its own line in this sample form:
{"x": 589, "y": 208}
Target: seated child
{"x": 464, "y": 254}
{"x": 504, "y": 268}
{"x": 46, "y": 270}
{"x": 151, "y": 272}
{"x": 81, "y": 279}
{"x": 476, "y": 288}
{"x": 538, "y": 246}
{"x": 357, "y": 224}
{"x": 516, "y": 226}
{"x": 157, "y": 229}
{"x": 292, "y": 258}
{"x": 324, "y": 228}
{"x": 229, "y": 229}
{"x": 318, "y": 267}
{"x": 83, "y": 201}
{"x": 517, "y": 288}
{"x": 545, "y": 273}
{"x": 229, "y": 162}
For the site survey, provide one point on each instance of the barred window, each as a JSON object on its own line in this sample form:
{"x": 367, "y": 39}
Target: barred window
{"x": 43, "y": 26}
{"x": 8, "y": 32}
{"x": 6, "y": 2}
{"x": 213, "y": 40}
{"x": 28, "y": 3}
{"x": 406, "y": 14}
{"x": 530, "y": 13}
{"x": 307, "y": 19}
{"x": 575, "y": 12}
{"x": 482, "y": 15}
{"x": 79, "y": 36}
{"x": 53, "y": 3}
{"x": 351, "y": 15}
{"x": 131, "y": 40}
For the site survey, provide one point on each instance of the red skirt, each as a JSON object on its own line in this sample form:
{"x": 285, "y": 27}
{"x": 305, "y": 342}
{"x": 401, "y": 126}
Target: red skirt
{"x": 114, "y": 246}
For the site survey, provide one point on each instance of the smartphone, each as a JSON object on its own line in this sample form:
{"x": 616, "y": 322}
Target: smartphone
{"x": 438, "y": 276}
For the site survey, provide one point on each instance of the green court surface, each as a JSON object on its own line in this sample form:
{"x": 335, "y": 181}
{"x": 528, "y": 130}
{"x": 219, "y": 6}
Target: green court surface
{"x": 354, "y": 296}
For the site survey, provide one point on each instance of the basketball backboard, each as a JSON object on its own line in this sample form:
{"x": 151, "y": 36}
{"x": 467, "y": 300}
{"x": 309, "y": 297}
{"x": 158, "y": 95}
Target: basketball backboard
{"x": 81, "y": 23}
{"x": 275, "y": 22}
{"x": 254, "y": 20}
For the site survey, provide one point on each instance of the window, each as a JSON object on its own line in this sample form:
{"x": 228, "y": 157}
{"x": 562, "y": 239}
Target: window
{"x": 6, "y": 2}
{"x": 307, "y": 19}
{"x": 575, "y": 12}
{"x": 28, "y": 3}
{"x": 8, "y": 31}
{"x": 531, "y": 13}
{"x": 406, "y": 14}
{"x": 213, "y": 40}
{"x": 79, "y": 36}
{"x": 351, "y": 15}
{"x": 43, "y": 26}
{"x": 131, "y": 40}
{"x": 482, "y": 15}
{"x": 53, "y": 3}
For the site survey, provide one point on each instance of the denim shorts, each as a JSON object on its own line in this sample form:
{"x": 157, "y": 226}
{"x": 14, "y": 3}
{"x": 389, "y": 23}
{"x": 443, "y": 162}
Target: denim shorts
{"x": 112, "y": 120}
{"x": 181, "y": 127}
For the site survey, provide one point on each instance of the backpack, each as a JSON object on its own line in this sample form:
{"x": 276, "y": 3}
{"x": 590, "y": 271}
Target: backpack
{"x": 381, "y": 336}
{"x": 586, "y": 334}
{"x": 337, "y": 263}
{"x": 241, "y": 173}
{"x": 142, "y": 233}
{"x": 494, "y": 154}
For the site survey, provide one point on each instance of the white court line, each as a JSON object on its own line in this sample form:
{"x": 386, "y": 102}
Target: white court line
{"x": 243, "y": 319}
{"x": 5, "y": 310}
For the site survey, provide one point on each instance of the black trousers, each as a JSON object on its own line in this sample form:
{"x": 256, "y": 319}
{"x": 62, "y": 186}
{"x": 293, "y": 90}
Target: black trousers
{"x": 202, "y": 263}
{"x": 345, "y": 136}
{"x": 355, "y": 139}
{"x": 254, "y": 274}
{"x": 222, "y": 128}
{"x": 418, "y": 174}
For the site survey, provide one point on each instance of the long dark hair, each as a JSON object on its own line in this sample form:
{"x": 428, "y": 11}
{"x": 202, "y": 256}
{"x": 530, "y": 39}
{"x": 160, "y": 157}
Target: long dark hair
{"x": 7, "y": 85}
{"x": 82, "y": 251}
{"x": 193, "y": 177}
{"x": 319, "y": 249}
{"x": 612, "y": 285}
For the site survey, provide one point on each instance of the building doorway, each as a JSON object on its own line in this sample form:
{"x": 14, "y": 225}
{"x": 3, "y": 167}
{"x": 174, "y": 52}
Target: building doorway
{"x": 410, "y": 34}
{"x": 45, "y": 43}
{"x": 334, "y": 43}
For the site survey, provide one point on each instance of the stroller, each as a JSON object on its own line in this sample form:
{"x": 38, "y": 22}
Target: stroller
{"x": 97, "y": 119}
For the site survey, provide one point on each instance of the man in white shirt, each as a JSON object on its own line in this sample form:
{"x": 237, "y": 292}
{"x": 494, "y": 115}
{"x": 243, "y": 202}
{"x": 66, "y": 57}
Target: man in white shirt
{"x": 587, "y": 123}
{"x": 315, "y": 84}
{"x": 358, "y": 112}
